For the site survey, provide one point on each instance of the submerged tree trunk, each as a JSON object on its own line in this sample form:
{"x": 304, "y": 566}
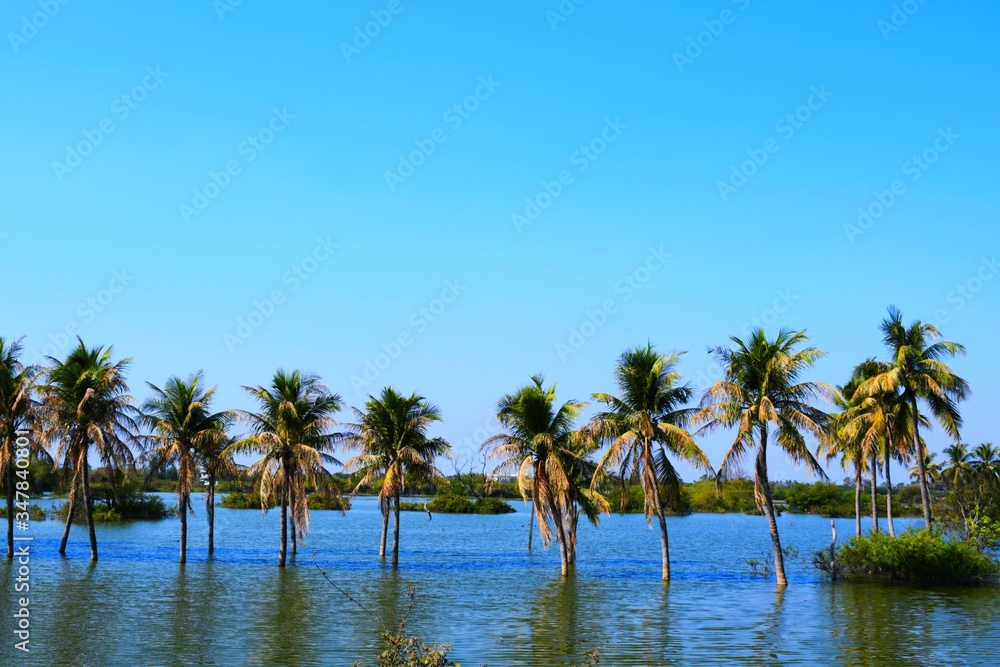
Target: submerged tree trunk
{"x": 283, "y": 548}
{"x": 857, "y": 499}
{"x": 573, "y": 521}
{"x": 764, "y": 485}
{"x": 88, "y": 507}
{"x": 182, "y": 503}
{"x": 70, "y": 511}
{"x": 925, "y": 493}
{"x": 658, "y": 504}
{"x": 210, "y": 513}
{"x": 385, "y": 529}
{"x": 874, "y": 492}
{"x": 888, "y": 487}
{"x": 531, "y": 521}
{"x": 395, "y": 533}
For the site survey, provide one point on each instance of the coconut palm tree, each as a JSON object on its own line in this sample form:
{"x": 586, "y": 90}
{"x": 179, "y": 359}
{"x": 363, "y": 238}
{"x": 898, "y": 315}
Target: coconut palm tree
{"x": 181, "y": 424}
{"x": 645, "y": 421}
{"x": 960, "y": 468}
{"x": 848, "y": 444}
{"x": 18, "y": 409}
{"x": 580, "y": 470}
{"x": 762, "y": 391}
{"x": 883, "y": 423}
{"x": 216, "y": 460}
{"x": 919, "y": 375}
{"x": 987, "y": 462}
{"x": 391, "y": 438}
{"x": 291, "y": 433}
{"x": 932, "y": 468}
{"x": 537, "y": 445}
{"x": 86, "y": 403}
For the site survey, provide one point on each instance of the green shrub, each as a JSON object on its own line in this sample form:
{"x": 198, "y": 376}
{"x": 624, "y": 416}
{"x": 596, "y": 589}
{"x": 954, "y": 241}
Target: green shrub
{"x": 914, "y": 556}
{"x": 128, "y": 507}
{"x": 493, "y": 506}
{"x": 240, "y": 500}
{"x": 35, "y": 513}
{"x": 455, "y": 504}
{"x": 452, "y": 504}
{"x": 735, "y": 495}
{"x": 327, "y": 501}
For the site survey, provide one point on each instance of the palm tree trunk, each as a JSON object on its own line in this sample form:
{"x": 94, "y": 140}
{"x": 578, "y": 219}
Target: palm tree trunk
{"x": 531, "y": 522}
{"x": 573, "y": 519}
{"x": 385, "y": 529}
{"x": 283, "y": 548}
{"x": 658, "y": 504}
{"x": 395, "y": 533}
{"x": 88, "y": 507}
{"x": 10, "y": 498}
{"x": 210, "y": 513}
{"x": 70, "y": 511}
{"x": 925, "y": 494}
{"x": 291, "y": 525}
{"x": 764, "y": 485}
{"x": 874, "y": 492}
{"x": 182, "y": 502}
{"x": 857, "y": 499}
{"x": 888, "y": 486}
{"x": 557, "y": 519}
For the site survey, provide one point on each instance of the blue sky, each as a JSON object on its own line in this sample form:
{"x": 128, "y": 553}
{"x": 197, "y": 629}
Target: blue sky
{"x": 665, "y": 171}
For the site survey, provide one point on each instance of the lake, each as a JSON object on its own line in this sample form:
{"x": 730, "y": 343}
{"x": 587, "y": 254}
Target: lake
{"x": 478, "y": 588}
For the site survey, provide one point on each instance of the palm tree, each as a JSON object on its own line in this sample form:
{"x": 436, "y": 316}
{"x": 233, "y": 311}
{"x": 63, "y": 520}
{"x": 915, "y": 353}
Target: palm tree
{"x": 216, "y": 460}
{"x": 85, "y": 402}
{"x": 919, "y": 375}
{"x": 291, "y": 433}
{"x": 642, "y": 424}
{"x": 181, "y": 424}
{"x": 847, "y": 444}
{"x": 18, "y": 409}
{"x": 761, "y": 391}
{"x": 391, "y": 438}
{"x": 537, "y": 446}
{"x": 960, "y": 468}
{"x": 580, "y": 470}
{"x": 987, "y": 462}
{"x": 932, "y": 468}
{"x": 883, "y": 423}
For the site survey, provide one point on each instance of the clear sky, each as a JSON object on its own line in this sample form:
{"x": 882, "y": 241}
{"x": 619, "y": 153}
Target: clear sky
{"x": 474, "y": 182}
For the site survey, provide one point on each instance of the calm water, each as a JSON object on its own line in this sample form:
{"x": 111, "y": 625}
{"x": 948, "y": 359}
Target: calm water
{"x": 478, "y": 588}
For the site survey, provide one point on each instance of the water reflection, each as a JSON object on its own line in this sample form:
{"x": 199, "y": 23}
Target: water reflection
{"x": 475, "y": 588}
